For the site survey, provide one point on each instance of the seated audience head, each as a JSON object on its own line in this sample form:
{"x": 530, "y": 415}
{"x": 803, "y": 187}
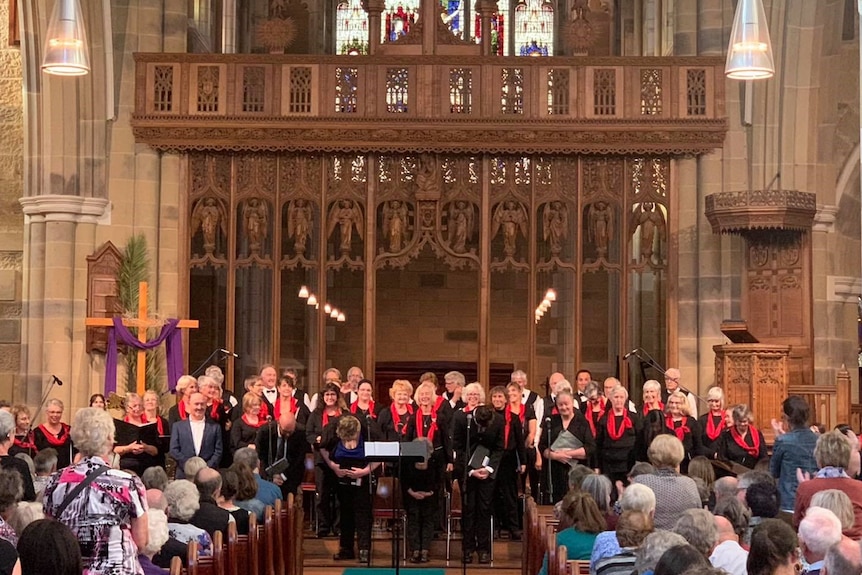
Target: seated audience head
{"x": 48, "y": 546}
{"x": 832, "y": 450}
{"x": 725, "y": 487}
{"x": 93, "y": 432}
{"x": 25, "y": 513}
{"x": 641, "y": 468}
{"x": 638, "y": 497}
{"x": 580, "y": 511}
{"x": 11, "y": 489}
{"x": 156, "y": 499}
{"x": 632, "y": 528}
{"x": 248, "y": 457}
{"x": 701, "y": 467}
{"x": 762, "y": 499}
{"x": 839, "y": 504}
{"x": 7, "y": 427}
{"x": 773, "y": 548}
{"x": 666, "y": 452}
{"x": 843, "y": 558}
{"x": 748, "y": 479}
{"x": 735, "y": 512}
{"x": 698, "y": 528}
{"x": 157, "y": 524}
{"x": 725, "y": 530}
{"x": 599, "y": 487}
{"x": 208, "y": 482}
{"x": 155, "y": 477}
{"x": 653, "y": 547}
{"x": 577, "y": 474}
{"x": 193, "y": 465}
{"x": 795, "y": 412}
{"x": 245, "y": 484}
{"x": 183, "y": 499}
{"x": 819, "y": 530}
{"x": 45, "y": 462}
{"x": 29, "y": 461}
{"x": 680, "y": 558}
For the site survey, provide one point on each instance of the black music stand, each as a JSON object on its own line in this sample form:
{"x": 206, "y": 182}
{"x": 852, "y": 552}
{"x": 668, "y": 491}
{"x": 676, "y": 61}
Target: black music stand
{"x": 395, "y": 452}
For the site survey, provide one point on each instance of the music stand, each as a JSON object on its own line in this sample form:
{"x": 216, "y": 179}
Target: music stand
{"x": 395, "y": 452}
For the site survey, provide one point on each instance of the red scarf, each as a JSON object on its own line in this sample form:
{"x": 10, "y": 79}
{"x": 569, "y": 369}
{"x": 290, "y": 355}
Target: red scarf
{"x": 555, "y": 411}
{"x": 354, "y": 407}
{"x": 592, "y": 418}
{"x": 681, "y": 430}
{"x": 616, "y": 434}
{"x": 420, "y": 424}
{"x": 263, "y": 412}
{"x": 181, "y": 408}
{"x": 713, "y": 430}
{"x": 647, "y": 408}
{"x": 752, "y": 450}
{"x": 52, "y": 439}
{"x": 250, "y": 424}
{"x": 26, "y": 443}
{"x": 214, "y": 412}
{"x": 294, "y": 405}
{"x": 522, "y": 412}
{"x": 143, "y": 420}
{"x": 326, "y": 416}
{"x": 397, "y": 418}
{"x": 507, "y": 428}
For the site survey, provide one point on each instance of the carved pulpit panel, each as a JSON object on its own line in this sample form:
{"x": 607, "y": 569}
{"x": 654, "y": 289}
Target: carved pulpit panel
{"x": 103, "y": 289}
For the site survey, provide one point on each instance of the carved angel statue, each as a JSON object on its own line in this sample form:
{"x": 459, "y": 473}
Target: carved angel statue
{"x": 512, "y": 218}
{"x": 601, "y": 226}
{"x": 255, "y": 216}
{"x": 395, "y": 224}
{"x": 299, "y": 224}
{"x": 209, "y": 216}
{"x": 460, "y": 225}
{"x": 427, "y": 177}
{"x": 652, "y": 224}
{"x": 555, "y": 223}
{"x": 345, "y": 215}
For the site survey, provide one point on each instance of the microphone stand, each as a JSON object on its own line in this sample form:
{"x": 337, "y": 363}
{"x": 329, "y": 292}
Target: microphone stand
{"x": 370, "y": 490}
{"x": 650, "y": 361}
{"x": 203, "y": 365}
{"x": 464, "y": 492}
{"x": 550, "y": 490}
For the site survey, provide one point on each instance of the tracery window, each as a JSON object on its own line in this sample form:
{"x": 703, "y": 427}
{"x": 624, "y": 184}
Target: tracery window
{"x": 530, "y": 32}
{"x": 351, "y": 28}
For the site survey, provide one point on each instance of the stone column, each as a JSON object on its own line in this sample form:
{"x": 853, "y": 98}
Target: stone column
{"x": 486, "y": 9}
{"x": 374, "y": 8}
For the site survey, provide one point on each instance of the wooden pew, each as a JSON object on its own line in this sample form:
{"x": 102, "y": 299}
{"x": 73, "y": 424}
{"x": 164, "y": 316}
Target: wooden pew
{"x": 574, "y": 567}
{"x": 213, "y": 565}
{"x": 254, "y": 547}
{"x": 297, "y": 536}
{"x": 282, "y": 515}
{"x": 176, "y": 566}
{"x": 267, "y": 542}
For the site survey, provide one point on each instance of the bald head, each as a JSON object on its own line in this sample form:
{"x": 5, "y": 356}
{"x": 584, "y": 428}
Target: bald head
{"x": 208, "y": 482}
{"x": 156, "y": 499}
{"x": 725, "y": 529}
{"x": 843, "y": 558}
{"x": 725, "y": 487}
{"x": 554, "y": 379}
{"x": 286, "y": 423}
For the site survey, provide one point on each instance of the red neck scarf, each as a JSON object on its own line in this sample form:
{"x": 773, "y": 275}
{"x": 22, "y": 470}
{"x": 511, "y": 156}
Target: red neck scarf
{"x": 326, "y": 416}
{"x": 522, "y": 412}
{"x": 181, "y": 408}
{"x": 143, "y": 419}
{"x": 263, "y": 412}
{"x": 396, "y": 418}
{"x": 555, "y": 411}
{"x": 25, "y": 441}
{"x": 616, "y": 434}
{"x": 647, "y": 408}
{"x": 277, "y": 407}
{"x": 53, "y": 439}
{"x": 420, "y": 424}
{"x": 508, "y": 414}
{"x": 250, "y": 424}
{"x": 752, "y": 450}
{"x": 713, "y": 429}
{"x": 681, "y": 430}
{"x": 214, "y": 412}
{"x": 354, "y": 407}
{"x": 594, "y": 416}
{"x": 159, "y": 425}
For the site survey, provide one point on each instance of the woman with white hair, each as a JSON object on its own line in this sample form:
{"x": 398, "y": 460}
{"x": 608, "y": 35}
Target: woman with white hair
{"x": 105, "y": 508}
{"x": 7, "y": 461}
{"x": 569, "y": 440}
{"x": 712, "y": 423}
{"x": 636, "y": 498}
{"x": 652, "y": 396}
{"x": 680, "y": 422}
{"x": 186, "y": 386}
{"x": 618, "y": 437}
{"x": 183, "y": 502}
{"x": 54, "y": 433}
{"x": 157, "y": 523}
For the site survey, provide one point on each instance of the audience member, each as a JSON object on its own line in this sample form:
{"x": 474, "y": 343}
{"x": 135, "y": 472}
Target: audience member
{"x": 653, "y": 547}
{"x": 736, "y": 513}
{"x": 183, "y": 503}
{"x": 45, "y": 464}
{"x": 636, "y": 498}
{"x": 632, "y": 528}
{"x": 674, "y": 493}
{"x": 157, "y": 523}
{"x": 267, "y": 491}
{"x": 680, "y": 558}
{"x": 157, "y": 477}
{"x": 698, "y": 528}
{"x": 192, "y": 466}
{"x": 25, "y": 513}
{"x": 793, "y": 450}
{"x": 843, "y": 558}
{"x": 7, "y": 434}
{"x": 773, "y": 549}
{"x": 246, "y": 497}
{"x": 10, "y": 495}
{"x": 210, "y": 517}
{"x": 599, "y": 487}
{"x": 819, "y": 530}
{"x": 579, "y": 525}
{"x": 839, "y": 504}
{"x": 48, "y": 546}
{"x": 725, "y": 487}
{"x": 230, "y": 490}
{"x": 728, "y": 554}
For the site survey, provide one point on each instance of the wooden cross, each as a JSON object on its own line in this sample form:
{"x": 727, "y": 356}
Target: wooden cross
{"x": 142, "y": 322}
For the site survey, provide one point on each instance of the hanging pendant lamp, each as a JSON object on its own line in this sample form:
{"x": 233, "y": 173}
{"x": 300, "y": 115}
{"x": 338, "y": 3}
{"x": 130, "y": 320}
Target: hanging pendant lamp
{"x": 749, "y": 53}
{"x": 66, "y": 43}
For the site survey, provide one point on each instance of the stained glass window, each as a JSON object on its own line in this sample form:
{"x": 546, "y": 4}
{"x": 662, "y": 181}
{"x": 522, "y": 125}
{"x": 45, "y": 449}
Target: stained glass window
{"x": 534, "y": 28}
{"x": 398, "y": 17}
{"x": 500, "y": 25}
{"x": 455, "y": 16}
{"x": 351, "y": 28}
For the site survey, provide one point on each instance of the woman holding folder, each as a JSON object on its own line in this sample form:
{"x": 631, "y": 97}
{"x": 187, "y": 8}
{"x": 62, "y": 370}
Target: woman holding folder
{"x": 136, "y": 441}
{"x": 569, "y": 441}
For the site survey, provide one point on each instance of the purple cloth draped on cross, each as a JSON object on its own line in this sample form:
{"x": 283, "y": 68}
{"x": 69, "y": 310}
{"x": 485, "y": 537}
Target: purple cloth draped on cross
{"x": 170, "y": 336}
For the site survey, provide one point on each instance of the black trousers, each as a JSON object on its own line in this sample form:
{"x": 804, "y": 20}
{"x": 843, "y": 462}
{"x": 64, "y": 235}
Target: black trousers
{"x": 421, "y": 517}
{"x": 476, "y": 515}
{"x": 326, "y": 483}
{"x": 506, "y": 508}
{"x": 533, "y": 475}
{"x": 354, "y": 503}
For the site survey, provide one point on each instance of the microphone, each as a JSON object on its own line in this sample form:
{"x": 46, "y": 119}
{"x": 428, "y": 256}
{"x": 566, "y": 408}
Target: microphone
{"x": 56, "y": 380}
{"x": 631, "y": 353}
{"x": 227, "y": 352}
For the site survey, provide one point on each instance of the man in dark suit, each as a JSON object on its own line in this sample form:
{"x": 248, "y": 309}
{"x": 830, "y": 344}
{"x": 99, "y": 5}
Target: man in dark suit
{"x": 210, "y": 517}
{"x": 280, "y": 440}
{"x": 196, "y": 436}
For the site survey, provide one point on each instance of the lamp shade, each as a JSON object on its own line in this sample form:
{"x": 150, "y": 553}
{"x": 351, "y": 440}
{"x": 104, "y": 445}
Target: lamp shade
{"x": 66, "y": 41}
{"x": 749, "y": 53}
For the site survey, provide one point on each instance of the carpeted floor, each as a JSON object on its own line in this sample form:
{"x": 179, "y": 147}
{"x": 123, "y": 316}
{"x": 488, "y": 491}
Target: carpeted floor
{"x": 391, "y": 571}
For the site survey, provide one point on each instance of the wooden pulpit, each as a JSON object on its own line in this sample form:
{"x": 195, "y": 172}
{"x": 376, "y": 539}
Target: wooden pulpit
{"x": 752, "y": 373}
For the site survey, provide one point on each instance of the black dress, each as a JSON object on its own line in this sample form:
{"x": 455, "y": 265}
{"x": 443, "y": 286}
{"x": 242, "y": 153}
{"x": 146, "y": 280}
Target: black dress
{"x": 62, "y": 442}
{"x": 730, "y": 447}
{"x": 687, "y": 430}
{"x": 709, "y": 445}
{"x": 559, "y": 471}
{"x": 619, "y": 443}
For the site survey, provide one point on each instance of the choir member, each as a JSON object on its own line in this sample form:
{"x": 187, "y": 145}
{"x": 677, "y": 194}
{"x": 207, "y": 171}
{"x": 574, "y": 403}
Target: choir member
{"x": 323, "y": 420}
{"x": 652, "y": 396}
{"x": 54, "y": 433}
{"x": 569, "y": 441}
{"x": 22, "y": 442}
{"x": 507, "y": 402}
{"x": 287, "y": 401}
{"x": 186, "y": 386}
{"x": 394, "y": 419}
{"x": 366, "y": 410}
{"x": 742, "y": 443}
{"x": 683, "y": 425}
{"x": 244, "y": 431}
{"x": 136, "y": 456}
{"x": 712, "y": 423}
{"x": 619, "y": 434}
{"x": 152, "y": 415}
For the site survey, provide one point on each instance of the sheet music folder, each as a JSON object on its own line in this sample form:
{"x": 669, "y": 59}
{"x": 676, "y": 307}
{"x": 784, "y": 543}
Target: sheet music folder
{"x": 411, "y": 451}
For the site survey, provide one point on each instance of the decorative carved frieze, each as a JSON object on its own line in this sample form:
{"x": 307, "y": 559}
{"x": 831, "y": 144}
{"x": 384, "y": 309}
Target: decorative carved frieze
{"x": 741, "y": 212}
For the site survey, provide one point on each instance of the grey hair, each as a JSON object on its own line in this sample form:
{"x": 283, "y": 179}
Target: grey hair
{"x": 819, "y": 530}
{"x": 593, "y": 387}
{"x": 216, "y": 373}
{"x": 157, "y": 523}
{"x": 652, "y": 384}
{"x": 698, "y": 528}
{"x": 599, "y": 487}
{"x": 563, "y": 386}
{"x": 475, "y": 386}
{"x": 248, "y": 456}
{"x": 93, "y": 431}
{"x": 736, "y": 512}
{"x": 7, "y": 425}
{"x": 155, "y": 477}
{"x": 55, "y": 401}
{"x": 207, "y": 381}
{"x": 843, "y": 557}
{"x": 457, "y": 377}
{"x": 838, "y": 503}
{"x": 654, "y": 546}
{"x": 638, "y": 497}
{"x": 183, "y": 499}
{"x": 518, "y": 373}
{"x": 25, "y": 513}
{"x": 619, "y": 389}
{"x": 193, "y": 465}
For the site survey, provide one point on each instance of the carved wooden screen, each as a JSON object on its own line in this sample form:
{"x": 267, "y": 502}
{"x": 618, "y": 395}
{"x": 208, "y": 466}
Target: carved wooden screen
{"x": 429, "y": 258}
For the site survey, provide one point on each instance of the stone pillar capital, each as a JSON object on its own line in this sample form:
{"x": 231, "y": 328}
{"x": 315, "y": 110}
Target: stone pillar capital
{"x": 62, "y": 208}
{"x": 486, "y": 7}
{"x": 374, "y": 6}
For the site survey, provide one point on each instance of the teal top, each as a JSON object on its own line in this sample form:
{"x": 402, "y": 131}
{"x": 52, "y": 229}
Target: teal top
{"x": 579, "y": 546}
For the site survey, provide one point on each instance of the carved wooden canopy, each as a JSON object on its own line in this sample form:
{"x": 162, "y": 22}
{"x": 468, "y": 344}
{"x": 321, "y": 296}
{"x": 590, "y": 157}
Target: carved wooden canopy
{"x": 740, "y": 212}
{"x": 434, "y": 103}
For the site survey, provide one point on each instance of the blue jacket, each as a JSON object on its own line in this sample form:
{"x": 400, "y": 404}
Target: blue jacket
{"x": 793, "y": 450}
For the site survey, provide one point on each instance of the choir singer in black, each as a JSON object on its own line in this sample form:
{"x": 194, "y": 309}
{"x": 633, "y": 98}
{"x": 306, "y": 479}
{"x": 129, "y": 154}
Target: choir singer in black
{"x": 282, "y": 450}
